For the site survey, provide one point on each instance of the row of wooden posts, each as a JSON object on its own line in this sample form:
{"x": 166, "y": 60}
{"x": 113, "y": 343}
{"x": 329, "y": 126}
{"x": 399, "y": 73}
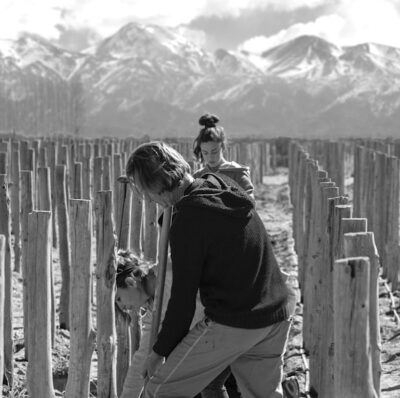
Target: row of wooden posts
{"x": 374, "y": 165}
{"x": 62, "y": 196}
{"x": 338, "y": 267}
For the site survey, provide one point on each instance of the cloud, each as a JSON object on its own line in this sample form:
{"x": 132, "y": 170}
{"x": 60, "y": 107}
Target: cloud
{"x": 106, "y": 17}
{"x": 76, "y": 39}
{"x": 370, "y": 20}
{"x": 31, "y": 16}
{"x": 327, "y": 27}
{"x": 349, "y": 22}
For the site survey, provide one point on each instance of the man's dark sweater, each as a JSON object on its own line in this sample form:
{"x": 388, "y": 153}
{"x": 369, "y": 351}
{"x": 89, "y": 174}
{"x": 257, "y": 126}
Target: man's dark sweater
{"x": 219, "y": 246}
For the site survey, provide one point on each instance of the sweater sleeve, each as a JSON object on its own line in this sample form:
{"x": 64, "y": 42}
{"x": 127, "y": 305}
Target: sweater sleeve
{"x": 187, "y": 263}
{"x": 245, "y": 182}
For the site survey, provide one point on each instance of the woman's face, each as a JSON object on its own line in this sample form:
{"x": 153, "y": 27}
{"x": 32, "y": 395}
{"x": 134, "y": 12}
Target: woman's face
{"x": 212, "y": 153}
{"x": 131, "y": 297}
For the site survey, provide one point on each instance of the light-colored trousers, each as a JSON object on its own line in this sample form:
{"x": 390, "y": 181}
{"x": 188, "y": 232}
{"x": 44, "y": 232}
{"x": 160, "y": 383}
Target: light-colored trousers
{"x": 133, "y": 384}
{"x": 255, "y": 357}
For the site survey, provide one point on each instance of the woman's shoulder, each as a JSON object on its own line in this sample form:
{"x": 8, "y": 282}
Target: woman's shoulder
{"x": 232, "y": 165}
{"x": 198, "y": 173}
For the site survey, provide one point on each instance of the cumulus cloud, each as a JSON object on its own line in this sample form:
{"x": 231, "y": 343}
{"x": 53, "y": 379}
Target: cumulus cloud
{"x": 42, "y": 16}
{"x": 327, "y": 27}
{"x": 70, "y": 21}
{"x": 350, "y": 22}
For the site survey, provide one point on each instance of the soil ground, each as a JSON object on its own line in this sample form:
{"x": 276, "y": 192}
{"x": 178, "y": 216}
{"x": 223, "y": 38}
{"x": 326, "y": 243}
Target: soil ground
{"x": 275, "y": 209}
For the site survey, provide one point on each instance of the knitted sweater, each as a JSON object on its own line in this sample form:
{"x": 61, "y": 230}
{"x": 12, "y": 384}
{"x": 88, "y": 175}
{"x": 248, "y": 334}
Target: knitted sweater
{"x": 219, "y": 246}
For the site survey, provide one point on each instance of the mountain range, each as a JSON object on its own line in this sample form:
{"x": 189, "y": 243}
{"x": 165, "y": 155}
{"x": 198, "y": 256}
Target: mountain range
{"x": 151, "y": 80}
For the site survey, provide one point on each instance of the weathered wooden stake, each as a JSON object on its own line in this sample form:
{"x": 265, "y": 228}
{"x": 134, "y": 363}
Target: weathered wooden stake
{"x": 39, "y": 372}
{"x": 16, "y": 209}
{"x": 2, "y": 295}
{"x": 105, "y": 294}
{"x": 351, "y": 329}
{"x": 5, "y": 229}
{"x": 363, "y": 244}
{"x": 64, "y": 250}
{"x": 82, "y": 336}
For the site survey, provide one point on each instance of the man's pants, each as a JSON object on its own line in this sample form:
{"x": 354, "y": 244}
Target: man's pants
{"x": 255, "y": 357}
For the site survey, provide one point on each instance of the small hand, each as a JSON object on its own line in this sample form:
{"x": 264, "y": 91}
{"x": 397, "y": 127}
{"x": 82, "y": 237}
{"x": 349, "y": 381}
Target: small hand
{"x": 153, "y": 362}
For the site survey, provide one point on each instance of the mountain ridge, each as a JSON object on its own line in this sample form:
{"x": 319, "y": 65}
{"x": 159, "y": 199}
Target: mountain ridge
{"x": 151, "y": 77}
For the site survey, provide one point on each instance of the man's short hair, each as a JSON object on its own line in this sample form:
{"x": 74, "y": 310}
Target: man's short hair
{"x": 157, "y": 166}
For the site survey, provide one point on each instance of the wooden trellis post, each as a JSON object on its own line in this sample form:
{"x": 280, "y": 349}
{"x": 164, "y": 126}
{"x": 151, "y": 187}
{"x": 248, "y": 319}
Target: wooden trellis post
{"x": 150, "y": 236}
{"x": 64, "y": 251}
{"x": 391, "y": 244}
{"x": 26, "y": 208}
{"x": 321, "y": 258}
{"x": 39, "y": 372}
{"x": 44, "y": 203}
{"x": 333, "y": 247}
{"x": 106, "y": 173}
{"x": 2, "y": 295}
{"x": 5, "y": 229}
{"x": 363, "y": 244}
{"x": 351, "y": 329}
{"x": 77, "y": 187}
{"x": 105, "y": 294}
{"x": 123, "y": 211}
{"x": 16, "y": 209}
{"x": 82, "y": 336}
{"x": 136, "y": 222}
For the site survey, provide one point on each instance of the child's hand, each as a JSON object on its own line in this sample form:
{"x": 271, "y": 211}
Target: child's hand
{"x": 153, "y": 362}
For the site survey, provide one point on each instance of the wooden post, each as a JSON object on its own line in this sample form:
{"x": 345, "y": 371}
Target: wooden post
{"x": 123, "y": 210}
{"x": 299, "y": 221}
{"x": 24, "y": 155}
{"x": 105, "y": 293}
{"x": 321, "y": 258}
{"x": 123, "y": 213}
{"x": 5, "y": 229}
{"x": 77, "y": 192}
{"x": 363, "y": 244}
{"x": 97, "y": 175}
{"x": 86, "y": 178}
{"x": 351, "y": 329}
{"x": 16, "y": 209}
{"x": 106, "y": 173}
{"x": 116, "y": 186}
{"x": 82, "y": 336}
{"x": 64, "y": 252}
{"x": 355, "y": 225}
{"x": 358, "y": 182}
{"x": 39, "y": 372}
{"x": 150, "y": 240}
{"x": 379, "y": 209}
{"x": 391, "y": 244}
{"x": 2, "y": 295}
{"x": 44, "y": 203}
{"x": 313, "y": 251}
{"x": 136, "y": 222}
{"x": 52, "y": 161}
{"x": 337, "y": 209}
{"x": 26, "y": 208}
{"x": 4, "y": 163}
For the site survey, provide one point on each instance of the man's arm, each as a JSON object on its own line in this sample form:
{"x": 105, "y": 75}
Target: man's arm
{"x": 187, "y": 262}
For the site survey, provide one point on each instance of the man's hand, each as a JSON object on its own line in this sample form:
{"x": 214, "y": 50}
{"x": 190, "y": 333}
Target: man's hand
{"x": 153, "y": 362}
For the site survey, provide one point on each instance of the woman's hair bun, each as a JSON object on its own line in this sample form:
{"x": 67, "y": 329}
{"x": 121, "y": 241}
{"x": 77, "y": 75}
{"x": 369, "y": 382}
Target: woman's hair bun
{"x": 208, "y": 120}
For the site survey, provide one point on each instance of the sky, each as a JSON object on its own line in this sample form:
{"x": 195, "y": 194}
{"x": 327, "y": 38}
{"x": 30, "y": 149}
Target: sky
{"x": 250, "y": 25}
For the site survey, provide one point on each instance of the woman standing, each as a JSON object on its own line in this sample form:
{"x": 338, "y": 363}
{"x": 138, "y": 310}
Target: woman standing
{"x": 209, "y": 147}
